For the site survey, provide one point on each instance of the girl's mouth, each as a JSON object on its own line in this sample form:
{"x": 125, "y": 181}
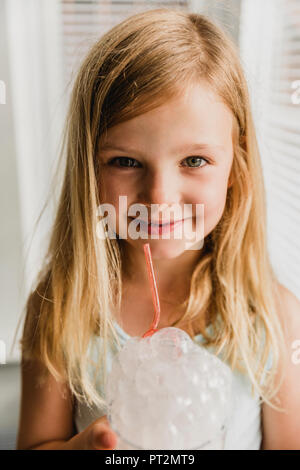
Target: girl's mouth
{"x": 157, "y": 229}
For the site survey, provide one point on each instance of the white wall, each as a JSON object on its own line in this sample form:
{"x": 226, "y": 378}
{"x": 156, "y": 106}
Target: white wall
{"x": 11, "y": 254}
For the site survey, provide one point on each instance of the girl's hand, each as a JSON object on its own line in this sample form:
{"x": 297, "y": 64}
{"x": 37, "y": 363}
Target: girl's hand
{"x": 97, "y": 436}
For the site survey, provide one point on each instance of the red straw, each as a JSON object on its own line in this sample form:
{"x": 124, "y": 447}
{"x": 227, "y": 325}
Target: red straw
{"x": 155, "y": 298}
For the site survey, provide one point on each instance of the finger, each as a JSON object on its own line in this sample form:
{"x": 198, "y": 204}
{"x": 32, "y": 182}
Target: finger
{"x": 102, "y": 437}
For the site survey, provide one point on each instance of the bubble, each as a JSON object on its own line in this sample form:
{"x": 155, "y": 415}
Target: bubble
{"x": 168, "y": 393}
{"x": 144, "y": 350}
{"x": 128, "y": 358}
{"x": 145, "y": 381}
{"x": 112, "y": 382}
{"x": 171, "y": 343}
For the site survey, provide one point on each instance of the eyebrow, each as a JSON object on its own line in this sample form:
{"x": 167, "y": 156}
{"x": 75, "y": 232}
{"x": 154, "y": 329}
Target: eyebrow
{"x": 188, "y": 147}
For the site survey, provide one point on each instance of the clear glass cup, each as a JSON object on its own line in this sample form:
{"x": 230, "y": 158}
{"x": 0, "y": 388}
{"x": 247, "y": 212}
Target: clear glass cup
{"x": 217, "y": 443}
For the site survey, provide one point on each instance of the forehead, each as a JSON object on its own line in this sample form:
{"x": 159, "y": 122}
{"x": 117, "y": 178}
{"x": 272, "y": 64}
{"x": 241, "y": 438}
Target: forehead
{"x": 196, "y": 114}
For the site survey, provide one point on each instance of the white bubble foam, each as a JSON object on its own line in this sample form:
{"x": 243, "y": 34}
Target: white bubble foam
{"x": 167, "y": 392}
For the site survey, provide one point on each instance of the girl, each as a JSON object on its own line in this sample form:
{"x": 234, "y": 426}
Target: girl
{"x": 159, "y": 113}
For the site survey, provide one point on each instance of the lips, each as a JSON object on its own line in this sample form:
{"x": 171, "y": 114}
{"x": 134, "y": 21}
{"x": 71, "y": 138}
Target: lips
{"x": 160, "y": 229}
{"x": 158, "y": 224}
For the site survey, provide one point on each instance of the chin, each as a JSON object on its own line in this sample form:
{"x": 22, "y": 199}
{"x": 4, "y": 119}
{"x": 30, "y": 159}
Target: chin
{"x": 163, "y": 249}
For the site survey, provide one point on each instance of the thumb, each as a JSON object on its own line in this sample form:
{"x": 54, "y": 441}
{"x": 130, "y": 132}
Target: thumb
{"x": 103, "y": 438}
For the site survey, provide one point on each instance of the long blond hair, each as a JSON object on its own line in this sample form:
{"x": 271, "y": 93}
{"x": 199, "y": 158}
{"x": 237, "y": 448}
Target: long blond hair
{"x": 136, "y": 66}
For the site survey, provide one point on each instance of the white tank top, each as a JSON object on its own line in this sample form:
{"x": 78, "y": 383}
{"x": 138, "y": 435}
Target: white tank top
{"x": 244, "y": 423}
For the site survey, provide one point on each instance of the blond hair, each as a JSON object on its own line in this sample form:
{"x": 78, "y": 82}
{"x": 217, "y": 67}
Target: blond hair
{"x": 136, "y": 66}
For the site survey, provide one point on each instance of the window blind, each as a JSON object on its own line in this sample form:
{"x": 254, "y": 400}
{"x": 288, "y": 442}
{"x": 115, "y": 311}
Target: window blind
{"x": 273, "y": 60}
{"x": 84, "y": 21}
{"x": 282, "y": 130}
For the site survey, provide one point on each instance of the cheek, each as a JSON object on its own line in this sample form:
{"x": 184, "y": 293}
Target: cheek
{"x": 210, "y": 192}
{"x": 213, "y": 196}
{"x": 111, "y": 188}
{"x": 214, "y": 207}
{"x": 112, "y": 195}
{"x": 216, "y": 198}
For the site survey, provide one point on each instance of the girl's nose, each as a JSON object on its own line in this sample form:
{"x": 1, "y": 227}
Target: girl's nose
{"x": 161, "y": 187}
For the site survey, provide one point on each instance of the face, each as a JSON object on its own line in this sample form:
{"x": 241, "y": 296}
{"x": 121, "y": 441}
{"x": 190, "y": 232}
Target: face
{"x": 179, "y": 153}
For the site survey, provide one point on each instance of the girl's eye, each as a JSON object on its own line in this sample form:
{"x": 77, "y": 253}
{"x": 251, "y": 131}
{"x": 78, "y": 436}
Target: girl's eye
{"x": 195, "y": 160}
{"x": 128, "y": 162}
